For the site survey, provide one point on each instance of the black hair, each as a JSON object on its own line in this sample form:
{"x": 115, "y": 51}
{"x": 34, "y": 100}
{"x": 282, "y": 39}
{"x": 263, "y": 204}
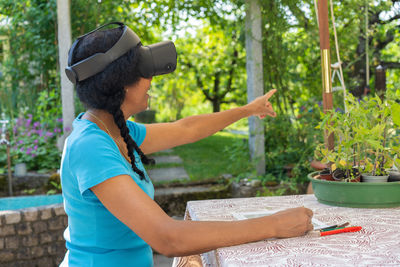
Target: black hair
{"x": 106, "y": 90}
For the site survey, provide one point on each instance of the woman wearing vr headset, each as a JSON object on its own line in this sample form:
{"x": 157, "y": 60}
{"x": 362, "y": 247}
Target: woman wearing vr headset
{"x": 108, "y": 196}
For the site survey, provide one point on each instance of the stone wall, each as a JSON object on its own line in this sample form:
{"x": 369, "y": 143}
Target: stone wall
{"x": 32, "y": 180}
{"x": 33, "y": 236}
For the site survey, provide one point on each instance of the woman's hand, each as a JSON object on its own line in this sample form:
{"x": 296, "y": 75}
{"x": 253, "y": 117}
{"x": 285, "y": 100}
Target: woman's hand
{"x": 292, "y": 222}
{"x": 261, "y": 107}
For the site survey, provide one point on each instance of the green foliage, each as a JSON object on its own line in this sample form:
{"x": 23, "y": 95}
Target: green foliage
{"x": 56, "y": 188}
{"x": 287, "y": 187}
{"x": 290, "y": 142}
{"x": 29, "y": 191}
{"x": 365, "y": 137}
{"x": 30, "y": 64}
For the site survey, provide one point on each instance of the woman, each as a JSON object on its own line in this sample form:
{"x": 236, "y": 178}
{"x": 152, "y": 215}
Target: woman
{"x": 108, "y": 196}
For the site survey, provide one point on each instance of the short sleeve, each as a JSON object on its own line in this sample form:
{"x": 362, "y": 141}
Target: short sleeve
{"x": 94, "y": 159}
{"x": 137, "y": 131}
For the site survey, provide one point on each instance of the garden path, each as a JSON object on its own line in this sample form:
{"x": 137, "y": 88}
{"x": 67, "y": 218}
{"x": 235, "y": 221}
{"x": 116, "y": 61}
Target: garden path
{"x": 168, "y": 173}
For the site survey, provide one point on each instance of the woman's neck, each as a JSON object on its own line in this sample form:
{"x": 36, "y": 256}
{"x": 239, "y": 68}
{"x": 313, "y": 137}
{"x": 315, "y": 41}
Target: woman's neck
{"x": 104, "y": 120}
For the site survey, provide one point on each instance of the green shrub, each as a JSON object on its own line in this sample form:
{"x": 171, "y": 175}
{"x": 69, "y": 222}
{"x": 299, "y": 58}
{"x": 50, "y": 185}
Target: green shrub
{"x": 290, "y": 142}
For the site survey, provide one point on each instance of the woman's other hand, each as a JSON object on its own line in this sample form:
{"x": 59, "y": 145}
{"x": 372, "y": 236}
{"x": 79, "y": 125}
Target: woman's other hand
{"x": 261, "y": 106}
{"x": 292, "y": 222}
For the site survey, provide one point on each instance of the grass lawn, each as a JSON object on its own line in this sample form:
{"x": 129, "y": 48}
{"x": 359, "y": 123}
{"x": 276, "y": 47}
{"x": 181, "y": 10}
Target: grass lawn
{"x": 215, "y": 155}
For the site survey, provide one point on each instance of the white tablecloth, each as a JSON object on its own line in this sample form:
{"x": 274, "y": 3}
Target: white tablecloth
{"x": 377, "y": 244}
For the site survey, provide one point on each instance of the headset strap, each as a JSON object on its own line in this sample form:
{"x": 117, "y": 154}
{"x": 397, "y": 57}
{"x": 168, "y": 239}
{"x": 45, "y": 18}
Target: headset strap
{"x": 71, "y": 50}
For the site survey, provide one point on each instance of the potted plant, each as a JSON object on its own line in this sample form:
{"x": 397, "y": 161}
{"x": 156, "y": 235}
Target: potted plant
{"x": 342, "y": 159}
{"x": 367, "y": 140}
{"x": 377, "y": 139}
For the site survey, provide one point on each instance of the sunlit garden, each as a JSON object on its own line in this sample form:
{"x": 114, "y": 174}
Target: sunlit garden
{"x": 337, "y": 123}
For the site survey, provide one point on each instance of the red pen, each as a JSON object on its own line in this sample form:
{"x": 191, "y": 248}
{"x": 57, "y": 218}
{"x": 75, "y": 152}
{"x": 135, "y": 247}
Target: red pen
{"x": 342, "y": 230}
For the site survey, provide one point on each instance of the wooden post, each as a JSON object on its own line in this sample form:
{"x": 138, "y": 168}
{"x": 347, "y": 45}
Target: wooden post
{"x": 325, "y": 64}
{"x": 255, "y": 88}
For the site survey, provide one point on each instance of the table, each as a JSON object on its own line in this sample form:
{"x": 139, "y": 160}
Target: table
{"x": 377, "y": 244}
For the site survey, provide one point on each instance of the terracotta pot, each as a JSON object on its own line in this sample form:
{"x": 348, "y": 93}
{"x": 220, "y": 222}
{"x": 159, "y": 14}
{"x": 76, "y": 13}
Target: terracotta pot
{"x": 355, "y": 180}
{"x": 326, "y": 174}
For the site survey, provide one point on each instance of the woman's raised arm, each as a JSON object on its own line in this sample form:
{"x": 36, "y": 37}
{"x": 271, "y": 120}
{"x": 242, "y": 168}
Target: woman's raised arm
{"x": 162, "y": 136}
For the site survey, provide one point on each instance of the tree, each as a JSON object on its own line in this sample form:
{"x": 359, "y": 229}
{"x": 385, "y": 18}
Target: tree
{"x": 384, "y": 26}
{"x": 31, "y": 64}
{"x": 217, "y": 59}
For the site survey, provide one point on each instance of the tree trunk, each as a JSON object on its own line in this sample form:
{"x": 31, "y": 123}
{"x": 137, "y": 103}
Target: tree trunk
{"x": 216, "y": 105}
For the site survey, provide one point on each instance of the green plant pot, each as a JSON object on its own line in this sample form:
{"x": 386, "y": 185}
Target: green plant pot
{"x": 356, "y": 195}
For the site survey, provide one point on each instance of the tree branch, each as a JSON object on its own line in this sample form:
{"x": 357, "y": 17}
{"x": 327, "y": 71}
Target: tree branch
{"x": 389, "y": 38}
{"x": 229, "y": 85}
{"x": 299, "y": 14}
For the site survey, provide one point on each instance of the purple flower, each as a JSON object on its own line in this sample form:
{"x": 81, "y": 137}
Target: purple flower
{"x": 339, "y": 110}
{"x": 36, "y": 124}
{"x": 35, "y": 141}
{"x": 35, "y": 147}
{"x": 320, "y": 103}
{"x": 40, "y": 132}
{"x": 19, "y": 122}
{"x": 20, "y": 142}
{"x": 33, "y": 155}
{"x": 49, "y": 134}
{"x": 30, "y": 116}
{"x": 28, "y": 151}
{"x": 21, "y": 149}
{"x": 59, "y": 120}
{"x": 28, "y": 122}
{"x": 15, "y": 129}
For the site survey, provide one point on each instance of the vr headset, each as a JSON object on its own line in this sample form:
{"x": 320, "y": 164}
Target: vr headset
{"x": 155, "y": 59}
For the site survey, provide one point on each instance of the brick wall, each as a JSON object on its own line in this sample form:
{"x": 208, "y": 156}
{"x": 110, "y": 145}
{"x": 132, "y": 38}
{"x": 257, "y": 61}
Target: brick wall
{"x": 33, "y": 237}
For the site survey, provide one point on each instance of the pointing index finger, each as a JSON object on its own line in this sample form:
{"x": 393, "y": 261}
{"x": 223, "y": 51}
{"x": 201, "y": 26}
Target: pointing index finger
{"x": 270, "y": 93}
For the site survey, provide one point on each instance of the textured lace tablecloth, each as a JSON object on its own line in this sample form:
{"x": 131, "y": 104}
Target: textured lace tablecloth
{"x": 377, "y": 244}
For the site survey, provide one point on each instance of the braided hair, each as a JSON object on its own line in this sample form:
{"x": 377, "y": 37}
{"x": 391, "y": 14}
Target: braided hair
{"x": 106, "y": 90}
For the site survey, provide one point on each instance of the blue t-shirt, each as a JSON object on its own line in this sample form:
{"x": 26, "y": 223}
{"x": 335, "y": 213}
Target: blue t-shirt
{"x": 95, "y": 237}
